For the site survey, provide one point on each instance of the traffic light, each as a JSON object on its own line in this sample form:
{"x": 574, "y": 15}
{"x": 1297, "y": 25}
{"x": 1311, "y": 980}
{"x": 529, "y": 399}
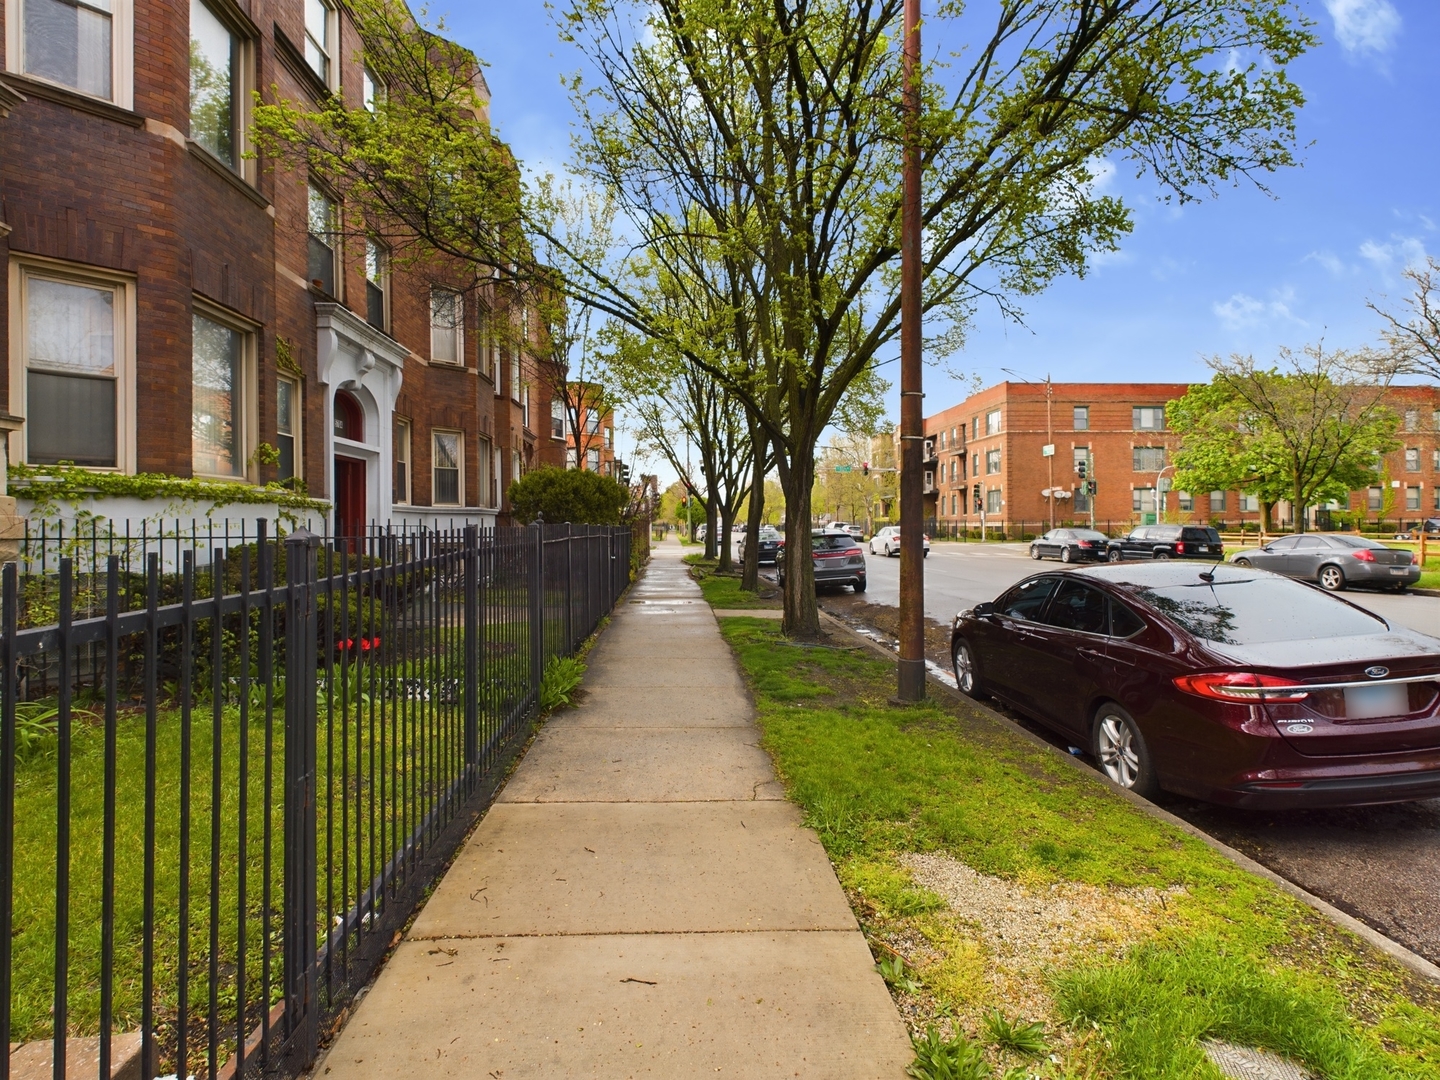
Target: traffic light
{"x": 1081, "y": 468}
{"x": 1090, "y": 487}
{"x": 865, "y": 468}
{"x": 624, "y": 471}
{"x": 979, "y": 503}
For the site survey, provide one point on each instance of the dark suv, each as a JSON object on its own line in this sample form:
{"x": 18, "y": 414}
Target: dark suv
{"x": 838, "y": 560}
{"x": 1167, "y": 542}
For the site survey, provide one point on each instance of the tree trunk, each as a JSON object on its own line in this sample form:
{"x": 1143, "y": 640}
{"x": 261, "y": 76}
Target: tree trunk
{"x": 750, "y": 568}
{"x": 710, "y": 524}
{"x": 726, "y": 545}
{"x": 1267, "y": 517}
{"x": 802, "y": 616}
{"x": 1297, "y": 510}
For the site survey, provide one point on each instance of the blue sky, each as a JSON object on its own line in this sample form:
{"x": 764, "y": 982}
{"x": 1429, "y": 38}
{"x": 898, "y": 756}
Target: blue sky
{"x": 1244, "y": 272}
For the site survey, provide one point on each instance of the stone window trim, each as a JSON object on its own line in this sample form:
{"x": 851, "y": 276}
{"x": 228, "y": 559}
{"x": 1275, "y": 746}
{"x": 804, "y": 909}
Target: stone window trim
{"x": 249, "y": 437}
{"x": 122, "y": 58}
{"x": 24, "y": 267}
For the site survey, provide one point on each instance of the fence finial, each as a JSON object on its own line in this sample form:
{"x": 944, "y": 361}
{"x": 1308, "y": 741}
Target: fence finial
{"x": 304, "y": 536}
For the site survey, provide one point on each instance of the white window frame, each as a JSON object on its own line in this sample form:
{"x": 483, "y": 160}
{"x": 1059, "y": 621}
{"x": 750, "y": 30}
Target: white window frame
{"x": 558, "y": 414}
{"x": 993, "y": 496}
{"x": 1413, "y": 497}
{"x": 330, "y": 239}
{"x": 1136, "y": 417}
{"x": 404, "y": 451}
{"x": 373, "y": 92}
{"x": 122, "y": 51}
{"x": 331, "y": 75}
{"x": 24, "y": 267}
{"x": 1224, "y": 502}
{"x": 1375, "y": 498}
{"x": 1075, "y": 416}
{"x": 1139, "y": 496}
{"x": 994, "y": 421}
{"x": 297, "y": 421}
{"x": 377, "y": 252}
{"x": 248, "y": 437}
{"x": 515, "y": 375}
{"x": 1187, "y": 501}
{"x": 592, "y": 461}
{"x": 525, "y": 406}
{"x": 1412, "y": 454}
{"x": 992, "y": 457}
{"x": 435, "y": 434}
{"x": 458, "y": 329}
{"x": 483, "y": 463}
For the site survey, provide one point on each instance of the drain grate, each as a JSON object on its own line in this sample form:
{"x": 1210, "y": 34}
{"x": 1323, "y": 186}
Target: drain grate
{"x": 1240, "y": 1063}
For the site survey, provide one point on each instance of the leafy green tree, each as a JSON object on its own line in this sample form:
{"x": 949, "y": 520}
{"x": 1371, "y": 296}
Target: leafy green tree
{"x": 573, "y": 495}
{"x": 1308, "y": 433}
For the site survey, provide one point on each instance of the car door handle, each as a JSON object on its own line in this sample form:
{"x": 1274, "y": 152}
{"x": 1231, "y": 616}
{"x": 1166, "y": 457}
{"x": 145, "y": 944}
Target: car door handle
{"x": 1091, "y": 654}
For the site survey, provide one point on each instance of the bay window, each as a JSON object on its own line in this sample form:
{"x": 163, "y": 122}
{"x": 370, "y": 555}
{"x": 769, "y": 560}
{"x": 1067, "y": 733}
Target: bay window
{"x": 80, "y": 44}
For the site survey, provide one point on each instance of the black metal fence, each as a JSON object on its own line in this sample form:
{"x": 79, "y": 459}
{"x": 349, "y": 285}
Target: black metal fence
{"x": 228, "y": 773}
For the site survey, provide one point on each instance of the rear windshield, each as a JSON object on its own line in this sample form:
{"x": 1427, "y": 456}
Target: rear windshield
{"x": 1355, "y": 542}
{"x": 832, "y": 541}
{"x": 767, "y": 533}
{"x": 1250, "y": 611}
{"x": 1088, "y": 534}
{"x": 1202, "y": 535}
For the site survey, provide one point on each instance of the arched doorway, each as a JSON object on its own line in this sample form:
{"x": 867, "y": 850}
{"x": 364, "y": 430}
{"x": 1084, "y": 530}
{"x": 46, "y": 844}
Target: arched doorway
{"x": 349, "y": 487}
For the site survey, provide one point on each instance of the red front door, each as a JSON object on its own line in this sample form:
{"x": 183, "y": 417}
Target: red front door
{"x": 349, "y": 498}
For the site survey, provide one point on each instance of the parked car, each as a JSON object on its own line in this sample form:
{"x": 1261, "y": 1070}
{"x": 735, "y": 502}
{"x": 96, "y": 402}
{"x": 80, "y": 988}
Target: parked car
{"x": 837, "y": 558}
{"x": 1167, "y": 542}
{"x": 1225, "y": 683}
{"x": 1070, "y": 545}
{"x": 857, "y": 533}
{"x": 769, "y": 541}
{"x": 700, "y": 533}
{"x": 887, "y": 542}
{"x": 1336, "y": 560}
{"x": 1430, "y": 527}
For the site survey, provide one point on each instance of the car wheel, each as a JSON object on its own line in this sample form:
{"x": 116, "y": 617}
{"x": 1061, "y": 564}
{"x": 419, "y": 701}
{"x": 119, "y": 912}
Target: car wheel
{"x": 1332, "y": 578}
{"x": 926, "y": 554}
{"x": 1034, "y": 552}
{"x": 860, "y": 585}
{"x": 891, "y": 552}
{"x": 1113, "y": 555}
{"x": 1065, "y": 555}
{"x": 1401, "y": 589}
{"x": 964, "y": 664}
{"x": 780, "y": 578}
{"x": 1161, "y": 554}
{"x": 1243, "y": 562}
{"x": 1121, "y": 751}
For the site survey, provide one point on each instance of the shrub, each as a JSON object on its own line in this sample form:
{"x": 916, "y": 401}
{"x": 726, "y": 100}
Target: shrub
{"x": 581, "y": 498}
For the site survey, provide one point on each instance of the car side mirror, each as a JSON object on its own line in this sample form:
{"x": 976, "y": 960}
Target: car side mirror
{"x": 984, "y": 611}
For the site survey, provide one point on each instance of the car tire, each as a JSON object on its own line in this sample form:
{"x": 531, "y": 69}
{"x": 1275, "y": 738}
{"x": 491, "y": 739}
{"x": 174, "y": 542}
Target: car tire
{"x": 1160, "y": 555}
{"x": 926, "y": 554}
{"x": 1331, "y": 578}
{"x": 859, "y": 586}
{"x": 1120, "y": 751}
{"x": 1114, "y": 555}
{"x": 1066, "y": 555}
{"x": 1034, "y": 553}
{"x": 1243, "y": 562}
{"x": 962, "y": 662}
{"x": 780, "y": 577}
{"x": 891, "y": 552}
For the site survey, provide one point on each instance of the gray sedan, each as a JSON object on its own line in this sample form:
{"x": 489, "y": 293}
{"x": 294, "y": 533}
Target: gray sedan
{"x": 1336, "y": 560}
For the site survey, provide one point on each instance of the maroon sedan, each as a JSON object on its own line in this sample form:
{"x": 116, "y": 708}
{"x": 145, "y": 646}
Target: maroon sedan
{"x": 1219, "y": 682}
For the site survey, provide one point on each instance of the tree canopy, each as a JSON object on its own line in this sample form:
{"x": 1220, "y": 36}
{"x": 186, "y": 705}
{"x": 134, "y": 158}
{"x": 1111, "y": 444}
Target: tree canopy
{"x": 561, "y": 495}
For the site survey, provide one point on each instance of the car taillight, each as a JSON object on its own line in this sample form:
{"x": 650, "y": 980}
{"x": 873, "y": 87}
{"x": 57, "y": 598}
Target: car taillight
{"x": 1087, "y": 543}
{"x": 1364, "y": 555}
{"x": 1180, "y": 547}
{"x": 1242, "y": 686}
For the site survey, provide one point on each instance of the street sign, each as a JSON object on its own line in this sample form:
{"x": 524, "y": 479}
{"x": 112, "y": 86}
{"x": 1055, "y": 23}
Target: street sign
{"x": 844, "y": 468}
{"x": 1048, "y": 450}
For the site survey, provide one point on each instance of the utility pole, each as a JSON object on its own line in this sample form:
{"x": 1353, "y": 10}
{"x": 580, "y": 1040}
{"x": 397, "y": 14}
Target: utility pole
{"x": 912, "y": 496}
{"x": 1050, "y": 443}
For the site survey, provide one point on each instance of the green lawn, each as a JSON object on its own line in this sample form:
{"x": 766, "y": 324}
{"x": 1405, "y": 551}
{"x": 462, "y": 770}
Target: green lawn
{"x": 723, "y": 590}
{"x": 1202, "y": 949}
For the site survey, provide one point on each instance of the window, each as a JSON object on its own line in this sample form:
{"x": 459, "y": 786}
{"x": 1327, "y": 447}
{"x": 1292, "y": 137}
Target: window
{"x": 1374, "y": 498}
{"x": 482, "y": 477}
{"x": 929, "y": 480}
{"x": 372, "y": 90}
{"x": 1082, "y": 417}
{"x": 592, "y": 422}
{"x": 287, "y": 425}
{"x": 495, "y": 469}
{"x": 401, "y": 489}
{"x": 557, "y": 418}
{"x": 592, "y": 460}
{"x": 446, "y": 468}
{"x": 1437, "y": 498}
{"x": 323, "y": 225}
{"x": 1148, "y": 417}
{"x": 1187, "y": 501}
{"x": 219, "y": 398}
{"x": 952, "y": 504}
{"x": 516, "y": 465}
{"x": 1249, "y": 504}
{"x": 1435, "y": 459}
{"x": 1148, "y": 459}
{"x": 447, "y": 319}
{"x": 992, "y": 501}
{"x": 1027, "y": 600}
{"x": 319, "y": 39}
{"x": 1412, "y": 419}
{"x": 992, "y": 461}
{"x": 1412, "y": 459}
{"x": 1078, "y": 607}
{"x": 377, "y": 285}
{"x": 992, "y": 422}
{"x": 1217, "y": 502}
{"x": 1142, "y": 500}
{"x": 610, "y": 443}
{"x": 942, "y": 440}
{"x": 349, "y": 422}
{"x": 1412, "y": 497}
{"x": 515, "y": 376}
{"x": 215, "y": 96}
{"x": 76, "y": 335}
{"x": 572, "y": 458}
{"x": 82, "y": 44}
{"x": 525, "y": 406}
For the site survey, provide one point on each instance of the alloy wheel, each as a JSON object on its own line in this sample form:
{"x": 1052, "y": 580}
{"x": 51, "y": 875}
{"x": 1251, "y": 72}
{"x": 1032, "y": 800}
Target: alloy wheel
{"x": 1115, "y": 746}
{"x": 1243, "y": 562}
{"x": 1113, "y": 555}
{"x": 964, "y": 668}
{"x": 1161, "y": 555}
{"x": 1034, "y": 552}
{"x": 1065, "y": 555}
{"x": 1332, "y": 578}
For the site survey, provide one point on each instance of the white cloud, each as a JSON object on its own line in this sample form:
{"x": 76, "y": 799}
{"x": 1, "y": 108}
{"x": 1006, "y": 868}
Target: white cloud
{"x": 1329, "y": 260}
{"x": 1406, "y": 250}
{"x": 1365, "y": 26}
{"x": 1242, "y": 310}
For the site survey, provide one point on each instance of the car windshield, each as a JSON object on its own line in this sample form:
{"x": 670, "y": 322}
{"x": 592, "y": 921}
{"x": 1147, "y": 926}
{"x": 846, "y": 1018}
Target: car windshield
{"x": 832, "y": 541}
{"x": 1250, "y": 611}
{"x": 1088, "y": 534}
{"x": 767, "y": 533}
{"x": 1202, "y": 535}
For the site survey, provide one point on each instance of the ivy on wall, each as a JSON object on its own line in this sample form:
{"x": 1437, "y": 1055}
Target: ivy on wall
{"x": 49, "y": 486}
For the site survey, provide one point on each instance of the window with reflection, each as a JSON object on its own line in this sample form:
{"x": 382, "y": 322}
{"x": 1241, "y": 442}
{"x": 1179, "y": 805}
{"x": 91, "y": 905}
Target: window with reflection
{"x": 217, "y": 423}
{"x": 214, "y": 63}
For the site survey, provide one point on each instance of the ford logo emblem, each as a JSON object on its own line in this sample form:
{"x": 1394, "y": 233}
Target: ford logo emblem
{"x": 1377, "y": 672}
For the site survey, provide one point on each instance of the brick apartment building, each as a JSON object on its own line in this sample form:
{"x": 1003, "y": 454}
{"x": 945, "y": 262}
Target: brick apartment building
{"x": 173, "y": 304}
{"x": 987, "y": 456}
{"x": 592, "y": 448}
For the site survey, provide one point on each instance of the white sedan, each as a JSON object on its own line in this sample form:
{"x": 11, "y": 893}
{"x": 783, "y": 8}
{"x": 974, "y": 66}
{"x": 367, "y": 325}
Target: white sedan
{"x": 887, "y": 541}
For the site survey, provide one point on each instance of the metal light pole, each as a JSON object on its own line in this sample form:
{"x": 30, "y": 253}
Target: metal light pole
{"x": 912, "y": 421}
{"x": 1050, "y": 442}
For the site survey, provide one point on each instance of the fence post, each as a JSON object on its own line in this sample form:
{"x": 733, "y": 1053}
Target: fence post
{"x": 570, "y": 641}
{"x": 302, "y": 1009}
{"x": 472, "y": 645}
{"x": 537, "y": 608}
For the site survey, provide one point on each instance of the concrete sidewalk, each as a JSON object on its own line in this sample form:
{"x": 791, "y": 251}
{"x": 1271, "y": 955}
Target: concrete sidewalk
{"x": 640, "y": 901}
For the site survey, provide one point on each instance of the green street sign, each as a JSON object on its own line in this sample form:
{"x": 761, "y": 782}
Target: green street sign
{"x": 844, "y": 468}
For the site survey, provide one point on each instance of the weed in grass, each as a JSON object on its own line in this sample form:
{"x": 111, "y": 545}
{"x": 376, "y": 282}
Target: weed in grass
{"x": 897, "y": 976}
{"x": 1014, "y": 1035}
{"x": 562, "y": 677}
{"x": 939, "y": 1058}
{"x": 887, "y": 890}
{"x": 957, "y": 979}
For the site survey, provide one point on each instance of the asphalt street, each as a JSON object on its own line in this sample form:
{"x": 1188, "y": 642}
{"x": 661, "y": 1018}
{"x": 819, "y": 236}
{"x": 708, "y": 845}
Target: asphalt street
{"x": 1380, "y": 864}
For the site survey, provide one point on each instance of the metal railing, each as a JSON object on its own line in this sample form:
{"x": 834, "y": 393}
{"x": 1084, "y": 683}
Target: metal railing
{"x": 226, "y": 783}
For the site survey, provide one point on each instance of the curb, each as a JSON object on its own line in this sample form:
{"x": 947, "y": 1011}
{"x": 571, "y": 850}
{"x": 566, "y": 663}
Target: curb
{"x": 1409, "y": 959}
